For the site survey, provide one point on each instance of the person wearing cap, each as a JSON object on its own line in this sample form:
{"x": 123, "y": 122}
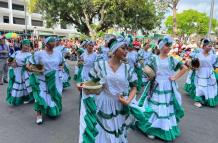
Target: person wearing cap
{"x": 4, "y": 53}
{"x": 48, "y": 85}
{"x": 162, "y": 119}
{"x": 66, "y": 73}
{"x": 142, "y": 59}
{"x": 204, "y": 91}
{"x": 109, "y": 110}
{"x": 19, "y": 90}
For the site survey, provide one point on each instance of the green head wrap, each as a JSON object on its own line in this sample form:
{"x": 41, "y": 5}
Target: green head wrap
{"x": 80, "y": 51}
{"x": 26, "y": 42}
{"x": 152, "y": 45}
{"x": 49, "y": 40}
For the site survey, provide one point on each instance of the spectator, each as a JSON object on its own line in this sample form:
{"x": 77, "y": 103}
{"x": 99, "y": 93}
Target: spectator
{"x": 4, "y": 53}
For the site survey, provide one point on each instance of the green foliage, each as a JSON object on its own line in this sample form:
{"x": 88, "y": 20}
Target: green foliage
{"x": 190, "y": 21}
{"x": 32, "y": 5}
{"x": 84, "y": 14}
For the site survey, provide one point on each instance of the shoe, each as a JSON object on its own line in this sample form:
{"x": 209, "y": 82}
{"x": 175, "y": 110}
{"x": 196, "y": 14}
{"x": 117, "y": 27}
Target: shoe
{"x": 197, "y": 104}
{"x": 39, "y": 119}
{"x": 151, "y": 137}
{"x": 26, "y": 102}
{"x": 1, "y": 83}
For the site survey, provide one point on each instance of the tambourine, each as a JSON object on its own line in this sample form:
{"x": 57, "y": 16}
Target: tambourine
{"x": 149, "y": 72}
{"x": 193, "y": 64}
{"x": 90, "y": 87}
{"x": 36, "y": 68}
{"x": 10, "y": 60}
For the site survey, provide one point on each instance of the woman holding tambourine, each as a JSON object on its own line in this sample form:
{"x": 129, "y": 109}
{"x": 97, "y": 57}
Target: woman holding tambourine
{"x": 162, "y": 98}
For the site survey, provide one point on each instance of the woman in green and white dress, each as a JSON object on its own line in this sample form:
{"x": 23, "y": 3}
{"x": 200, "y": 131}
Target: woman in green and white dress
{"x": 78, "y": 68}
{"x": 164, "y": 100}
{"x": 189, "y": 86}
{"x": 66, "y": 72}
{"x": 204, "y": 80}
{"x": 19, "y": 90}
{"x": 48, "y": 86}
{"x": 142, "y": 59}
{"x": 104, "y": 117}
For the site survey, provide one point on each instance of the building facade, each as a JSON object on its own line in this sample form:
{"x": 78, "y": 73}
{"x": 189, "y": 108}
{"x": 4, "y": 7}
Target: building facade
{"x": 12, "y": 19}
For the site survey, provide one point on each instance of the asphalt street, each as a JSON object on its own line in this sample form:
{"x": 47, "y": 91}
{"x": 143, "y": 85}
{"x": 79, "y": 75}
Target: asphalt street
{"x": 17, "y": 124}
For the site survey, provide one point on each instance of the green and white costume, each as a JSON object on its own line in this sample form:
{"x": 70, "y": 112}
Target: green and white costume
{"x": 189, "y": 86}
{"x": 66, "y": 71}
{"x": 103, "y": 118}
{"x": 201, "y": 84}
{"x": 132, "y": 58}
{"x": 19, "y": 89}
{"x": 142, "y": 78}
{"x": 203, "y": 81}
{"x": 88, "y": 62}
{"x": 78, "y": 69}
{"x": 49, "y": 85}
{"x": 165, "y": 102}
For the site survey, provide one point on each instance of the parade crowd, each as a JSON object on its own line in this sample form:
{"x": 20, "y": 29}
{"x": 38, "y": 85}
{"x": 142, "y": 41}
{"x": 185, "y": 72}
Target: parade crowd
{"x": 123, "y": 82}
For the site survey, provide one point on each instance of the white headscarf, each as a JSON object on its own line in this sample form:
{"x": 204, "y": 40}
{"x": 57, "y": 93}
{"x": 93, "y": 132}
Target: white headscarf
{"x": 166, "y": 40}
{"x": 121, "y": 41}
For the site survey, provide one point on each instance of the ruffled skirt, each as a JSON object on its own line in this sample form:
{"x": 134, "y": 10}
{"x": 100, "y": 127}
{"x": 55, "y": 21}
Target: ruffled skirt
{"x": 19, "y": 89}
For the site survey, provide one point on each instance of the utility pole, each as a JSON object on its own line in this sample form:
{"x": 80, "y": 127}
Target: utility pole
{"x": 211, "y": 18}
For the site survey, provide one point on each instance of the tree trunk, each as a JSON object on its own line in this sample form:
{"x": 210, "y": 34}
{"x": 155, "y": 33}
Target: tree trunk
{"x": 92, "y": 33}
{"x": 87, "y": 20}
{"x": 175, "y": 2}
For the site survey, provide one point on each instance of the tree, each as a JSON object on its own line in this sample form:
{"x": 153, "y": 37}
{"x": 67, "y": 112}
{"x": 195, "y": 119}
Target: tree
{"x": 32, "y": 5}
{"x": 93, "y": 16}
{"x": 172, "y": 4}
{"x": 190, "y": 21}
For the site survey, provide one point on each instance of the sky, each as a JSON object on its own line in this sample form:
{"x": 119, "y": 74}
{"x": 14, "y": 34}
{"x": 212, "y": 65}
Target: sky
{"x": 200, "y": 5}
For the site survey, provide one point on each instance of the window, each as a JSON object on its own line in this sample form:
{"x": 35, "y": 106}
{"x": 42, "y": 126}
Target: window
{"x": 3, "y": 4}
{"x": 37, "y": 23}
{"x": 18, "y": 7}
{"x": 19, "y": 21}
{"x": 5, "y": 19}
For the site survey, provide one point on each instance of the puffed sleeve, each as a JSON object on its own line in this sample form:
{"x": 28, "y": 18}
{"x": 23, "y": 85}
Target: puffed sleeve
{"x": 215, "y": 60}
{"x": 152, "y": 62}
{"x": 13, "y": 55}
{"x": 94, "y": 72}
{"x": 35, "y": 58}
{"x": 177, "y": 64}
{"x": 132, "y": 77}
